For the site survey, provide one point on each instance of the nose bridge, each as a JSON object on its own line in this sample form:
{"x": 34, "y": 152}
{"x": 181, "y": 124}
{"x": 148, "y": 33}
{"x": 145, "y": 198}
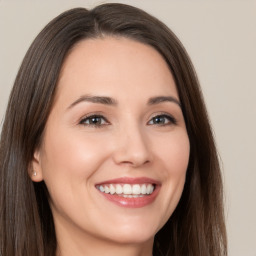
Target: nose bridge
{"x": 132, "y": 145}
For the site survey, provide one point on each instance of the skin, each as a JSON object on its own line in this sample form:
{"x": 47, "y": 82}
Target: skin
{"x": 128, "y": 142}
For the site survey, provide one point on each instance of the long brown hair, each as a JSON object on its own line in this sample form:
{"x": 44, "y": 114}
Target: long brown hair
{"x": 26, "y": 224}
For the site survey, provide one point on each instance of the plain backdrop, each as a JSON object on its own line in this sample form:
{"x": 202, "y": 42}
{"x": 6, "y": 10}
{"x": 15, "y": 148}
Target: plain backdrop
{"x": 220, "y": 37}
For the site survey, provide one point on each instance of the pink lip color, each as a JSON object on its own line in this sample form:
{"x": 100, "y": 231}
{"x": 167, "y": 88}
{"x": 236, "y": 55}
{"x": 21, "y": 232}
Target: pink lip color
{"x": 132, "y": 202}
{"x": 128, "y": 180}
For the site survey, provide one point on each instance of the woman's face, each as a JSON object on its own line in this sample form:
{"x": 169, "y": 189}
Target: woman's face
{"x": 115, "y": 148}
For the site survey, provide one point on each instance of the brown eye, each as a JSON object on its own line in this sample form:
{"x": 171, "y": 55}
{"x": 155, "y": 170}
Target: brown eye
{"x": 95, "y": 120}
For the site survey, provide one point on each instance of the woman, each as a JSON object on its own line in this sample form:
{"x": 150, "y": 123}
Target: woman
{"x": 106, "y": 148}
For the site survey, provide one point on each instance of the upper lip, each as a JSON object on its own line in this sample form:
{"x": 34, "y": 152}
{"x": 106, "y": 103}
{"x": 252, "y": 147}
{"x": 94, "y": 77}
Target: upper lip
{"x": 130, "y": 180}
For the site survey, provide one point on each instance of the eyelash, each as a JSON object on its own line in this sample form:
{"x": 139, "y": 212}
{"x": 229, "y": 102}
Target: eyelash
{"x": 169, "y": 120}
{"x": 91, "y": 117}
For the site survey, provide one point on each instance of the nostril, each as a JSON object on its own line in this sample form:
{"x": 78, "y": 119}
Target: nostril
{"x": 131, "y": 148}
{"x": 135, "y": 163}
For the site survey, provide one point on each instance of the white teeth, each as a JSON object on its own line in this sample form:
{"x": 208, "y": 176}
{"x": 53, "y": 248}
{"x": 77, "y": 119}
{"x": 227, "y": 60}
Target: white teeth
{"x": 132, "y": 196}
{"x": 149, "y": 189}
{"x": 119, "y": 189}
{"x": 106, "y": 189}
{"x": 127, "y": 190}
{"x": 143, "y": 189}
{"x": 112, "y": 189}
{"x": 136, "y": 189}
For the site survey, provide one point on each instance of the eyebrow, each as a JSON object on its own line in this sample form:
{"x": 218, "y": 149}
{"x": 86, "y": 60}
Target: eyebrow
{"x": 160, "y": 99}
{"x": 112, "y": 102}
{"x": 94, "y": 99}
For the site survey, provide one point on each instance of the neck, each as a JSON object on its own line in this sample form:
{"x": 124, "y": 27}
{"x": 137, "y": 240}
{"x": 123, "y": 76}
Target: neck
{"x": 100, "y": 249}
{"x": 103, "y": 248}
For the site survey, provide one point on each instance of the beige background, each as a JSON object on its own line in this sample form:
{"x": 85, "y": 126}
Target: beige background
{"x": 220, "y": 37}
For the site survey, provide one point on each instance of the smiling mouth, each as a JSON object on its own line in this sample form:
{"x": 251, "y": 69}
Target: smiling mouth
{"x": 130, "y": 192}
{"x": 127, "y": 190}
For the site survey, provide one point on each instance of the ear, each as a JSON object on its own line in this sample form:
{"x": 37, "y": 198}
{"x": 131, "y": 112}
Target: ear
{"x": 35, "y": 168}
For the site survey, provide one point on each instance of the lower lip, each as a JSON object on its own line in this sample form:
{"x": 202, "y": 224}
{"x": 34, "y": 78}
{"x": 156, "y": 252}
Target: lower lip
{"x": 134, "y": 202}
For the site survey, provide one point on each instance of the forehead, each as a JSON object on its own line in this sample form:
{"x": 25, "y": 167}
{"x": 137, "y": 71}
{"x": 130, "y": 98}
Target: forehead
{"x": 114, "y": 64}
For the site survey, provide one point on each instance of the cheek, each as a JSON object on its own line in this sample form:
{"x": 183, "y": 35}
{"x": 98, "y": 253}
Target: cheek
{"x": 68, "y": 162}
{"x": 176, "y": 164}
{"x": 71, "y": 154}
{"x": 174, "y": 154}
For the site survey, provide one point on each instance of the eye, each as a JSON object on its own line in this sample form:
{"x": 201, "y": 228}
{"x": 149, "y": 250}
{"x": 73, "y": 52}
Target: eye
{"x": 162, "y": 120}
{"x": 94, "y": 120}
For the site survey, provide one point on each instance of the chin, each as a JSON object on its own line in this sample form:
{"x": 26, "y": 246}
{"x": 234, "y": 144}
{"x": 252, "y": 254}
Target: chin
{"x": 132, "y": 234}
{"x": 132, "y": 239}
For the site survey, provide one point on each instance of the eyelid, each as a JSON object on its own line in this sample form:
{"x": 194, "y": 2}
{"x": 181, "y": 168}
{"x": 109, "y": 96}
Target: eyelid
{"x": 171, "y": 118}
{"x": 93, "y": 115}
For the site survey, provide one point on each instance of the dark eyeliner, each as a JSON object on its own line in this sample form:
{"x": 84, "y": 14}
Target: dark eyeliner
{"x": 170, "y": 118}
{"x": 95, "y": 124}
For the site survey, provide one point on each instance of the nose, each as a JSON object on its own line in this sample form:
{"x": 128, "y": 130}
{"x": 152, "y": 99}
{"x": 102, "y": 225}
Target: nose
{"x": 132, "y": 148}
